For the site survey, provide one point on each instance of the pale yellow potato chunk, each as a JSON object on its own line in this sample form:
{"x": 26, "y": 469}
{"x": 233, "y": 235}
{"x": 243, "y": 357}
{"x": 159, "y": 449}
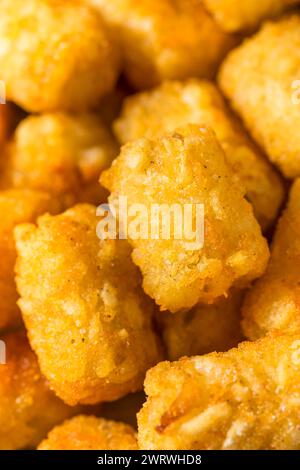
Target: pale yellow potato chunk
{"x": 28, "y": 408}
{"x": 237, "y": 15}
{"x": 203, "y": 329}
{"x": 86, "y": 315}
{"x": 274, "y": 301}
{"x": 246, "y": 398}
{"x": 187, "y": 167}
{"x": 90, "y": 433}
{"x": 261, "y": 79}
{"x": 165, "y": 39}
{"x": 55, "y": 55}
{"x": 16, "y": 206}
{"x": 175, "y": 104}
{"x": 62, "y": 154}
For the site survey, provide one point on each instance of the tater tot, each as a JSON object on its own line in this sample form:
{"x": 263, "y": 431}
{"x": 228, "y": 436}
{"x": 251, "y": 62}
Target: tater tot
{"x": 165, "y": 39}
{"x": 246, "y": 398}
{"x": 274, "y": 301}
{"x": 187, "y": 168}
{"x": 16, "y": 206}
{"x": 90, "y": 433}
{"x": 236, "y": 15}
{"x": 203, "y": 329}
{"x": 63, "y": 154}
{"x": 28, "y": 409}
{"x": 175, "y": 104}
{"x": 261, "y": 80}
{"x": 55, "y": 55}
{"x": 86, "y": 314}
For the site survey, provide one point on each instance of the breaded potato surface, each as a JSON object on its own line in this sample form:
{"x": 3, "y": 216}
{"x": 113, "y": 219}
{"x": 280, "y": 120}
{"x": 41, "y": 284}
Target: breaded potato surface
{"x": 90, "y": 433}
{"x": 274, "y": 301}
{"x": 203, "y": 329}
{"x": 16, "y": 207}
{"x": 236, "y": 15}
{"x": 28, "y": 409}
{"x": 175, "y": 104}
{"x": 165, "y": 39}
{"x": 188, "y": 167}
{"x": 55, "y": 55}
{"x": 62, "y": 154}
{"x": 261, "y": 79}
{"x": 246, "y": 398}
{"x": 87, "y": 317}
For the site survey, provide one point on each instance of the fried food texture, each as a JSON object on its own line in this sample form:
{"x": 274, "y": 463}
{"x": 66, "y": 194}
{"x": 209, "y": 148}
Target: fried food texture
{"x": 274, "y": 301}
{"x": 187, "y": 167}
{"x": 28, "y": 408}
{"x": 55, "y": 55}
{"x": 16, "y": 207}
{"x": 261, "y": 79}
{"x": 175, "y": 104}
{"x": 246, "y": 398}
{"x": 62, "y": 154}
{"x": 236, "y": 15}
{"x": 203, "y": 329}
{"x": 165, "y": 39}
{"x": 86, "y": 314}
{"x": 90, "y": 433}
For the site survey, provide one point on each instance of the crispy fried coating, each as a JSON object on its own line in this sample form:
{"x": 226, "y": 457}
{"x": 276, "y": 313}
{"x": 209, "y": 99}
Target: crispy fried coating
{"x": 237, "y": 15}
{"x": 16, "y": 206}
{"x": 165, "y": 39}
{"x": 203, "y": 329}
{"x": 175, "y": 104}
{"x": 86, "y": 314}
{"x": 28, "y": 409}
{"x": 274, "y": 301}
{"x": 181, "y": 168}
{"x": 90, "y": 433}
{"x": 246, "y": 398}
{"x": 261, "y": 80}
{"x": 62, "y": 154}
{"x": 55, "y": 55}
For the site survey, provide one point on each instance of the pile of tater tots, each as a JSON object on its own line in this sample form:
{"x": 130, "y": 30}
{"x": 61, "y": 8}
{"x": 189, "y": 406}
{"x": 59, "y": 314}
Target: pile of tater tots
{"x": 124, "y": 342}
